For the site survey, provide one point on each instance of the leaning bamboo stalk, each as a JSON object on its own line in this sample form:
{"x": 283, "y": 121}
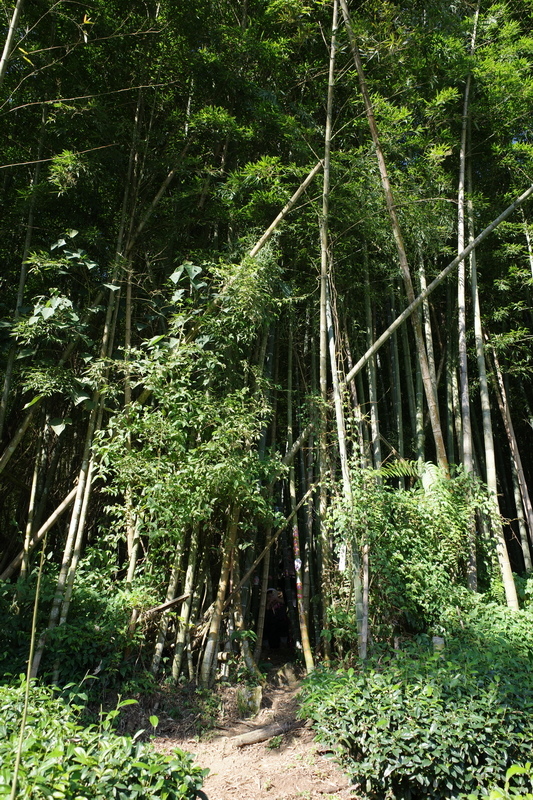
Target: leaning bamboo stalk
{"x": 385, "y": 336}
{"x": 69, "y": 545}
{"x": 8, "y": 44}
{"x": 43, "y": 530}
{"x": 76, "y": 555}
{"x": 285, "y": 210}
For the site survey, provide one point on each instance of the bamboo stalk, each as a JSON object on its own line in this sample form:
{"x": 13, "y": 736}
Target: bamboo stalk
{"x": 43, "y": 530}
{"x": 385, "y": 336}
{"x": 400, "y": 247}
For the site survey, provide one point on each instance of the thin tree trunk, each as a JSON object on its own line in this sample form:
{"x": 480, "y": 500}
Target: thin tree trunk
{"x": 8, "y": 46}
{"x": 450, "y": 369}
{"x": 457, "y": 413}
{"x": 503, "y": 404}
{"x": 420, "y": 432}
{"x": 263, "y": 598}
{"x": 210, "y": 652}
{"x": 397, "y": 388}
{"x": 461, "y": 313}
{"x": 133, "y": 552}
{"x": 522, "y": 527}
{"x": 240, "y": 625}
{"x": 366, "y": 596}
{"x": 528, "y": 241}
{"x": 304, "y": 632}
{"x": 165, "y": 617}
{"x": 427, "y": 327}
{"x": 268, "y": 532}
{"x": 402, "y": 256}
{"x": 22, "y": 279}
{"x": 372, "y": 378}
{"x": 490, "y": 459}
{"x": 467, "y": 447}
{"x": 356, "y": 404}
{"x": 39, "y": 458}
{"x": 408, "y": 371}
{"x": 325, "y": 555}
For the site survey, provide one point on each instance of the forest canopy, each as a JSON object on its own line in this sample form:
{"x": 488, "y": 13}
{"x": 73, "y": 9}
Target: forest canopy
{"x": 265, "y": 322}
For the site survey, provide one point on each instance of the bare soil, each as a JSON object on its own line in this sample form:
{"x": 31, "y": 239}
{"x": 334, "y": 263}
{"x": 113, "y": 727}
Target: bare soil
{"x": 288, "y": 766}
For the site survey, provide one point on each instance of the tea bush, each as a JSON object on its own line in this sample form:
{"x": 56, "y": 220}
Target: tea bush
{"x": 421, "y": 725}
{"x": 63, "y": 759}
{"x": 521, "y": 772}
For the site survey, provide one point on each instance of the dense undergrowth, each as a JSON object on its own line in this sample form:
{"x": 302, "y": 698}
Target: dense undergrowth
{"x": 415, "y": 723}
{"x": 62, "y": 758}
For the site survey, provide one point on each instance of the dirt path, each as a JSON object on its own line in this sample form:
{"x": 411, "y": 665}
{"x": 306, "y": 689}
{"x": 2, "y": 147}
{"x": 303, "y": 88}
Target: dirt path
{"x": 289, "y": 766}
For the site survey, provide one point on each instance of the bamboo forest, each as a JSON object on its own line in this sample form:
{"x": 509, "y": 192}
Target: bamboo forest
{"x": 266, "y": 386}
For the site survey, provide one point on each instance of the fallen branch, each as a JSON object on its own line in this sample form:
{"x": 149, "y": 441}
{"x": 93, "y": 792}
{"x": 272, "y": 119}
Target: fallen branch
{"x": 163, "y": 607}
{"x": 262, "y": 734}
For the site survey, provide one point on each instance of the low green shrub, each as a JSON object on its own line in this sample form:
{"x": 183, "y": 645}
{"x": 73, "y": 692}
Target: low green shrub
{"x": 62, "y": 759}
{"x": 420, "y": 725}
{"x": 522, "y": 773}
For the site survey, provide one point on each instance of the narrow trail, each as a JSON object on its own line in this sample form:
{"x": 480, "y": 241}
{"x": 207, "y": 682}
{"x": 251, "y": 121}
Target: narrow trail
{"x": 287, "y": 766}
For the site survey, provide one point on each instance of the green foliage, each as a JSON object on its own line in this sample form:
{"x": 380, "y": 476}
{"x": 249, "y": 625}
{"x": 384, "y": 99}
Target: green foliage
{"x": 417, "y": 543}
{"x": 95, "y": 636}
{"x": 65, "y": 170}
{"x": 508, "y": 791}
{"x": 63, "y": 759}
{"x": 423, "y": 725}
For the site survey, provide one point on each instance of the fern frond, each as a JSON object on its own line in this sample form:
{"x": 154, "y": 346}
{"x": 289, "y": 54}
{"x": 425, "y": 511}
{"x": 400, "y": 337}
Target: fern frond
{"x": 402, "y": 469}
